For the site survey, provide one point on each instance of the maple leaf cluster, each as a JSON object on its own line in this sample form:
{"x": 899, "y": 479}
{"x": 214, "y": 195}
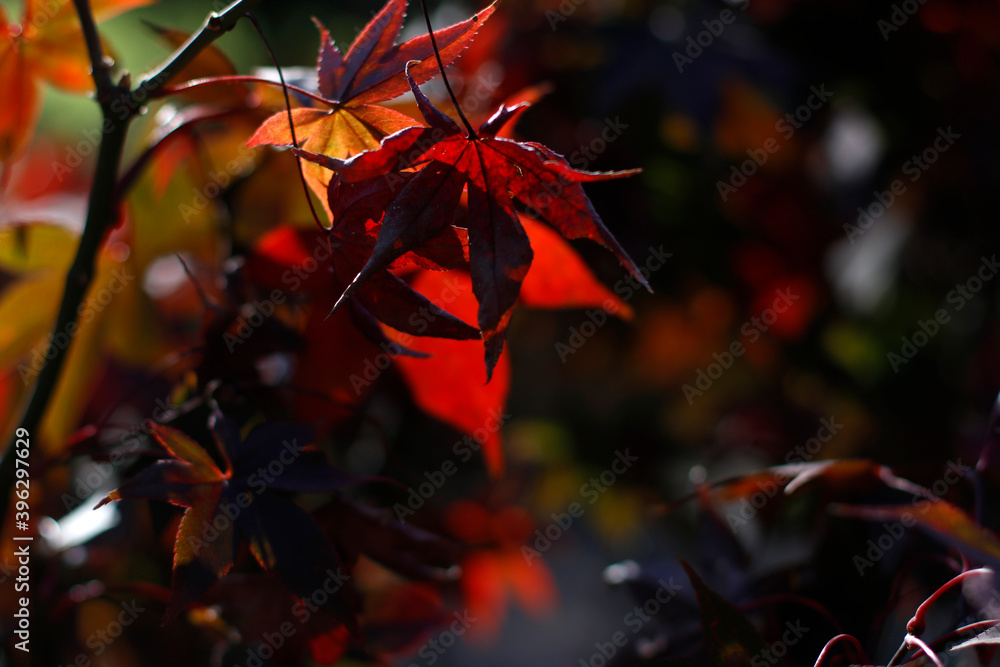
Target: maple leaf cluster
{"x": 284, "y": 340}
{"x": 412, "y": 207}
{"x": 424, "y": 191}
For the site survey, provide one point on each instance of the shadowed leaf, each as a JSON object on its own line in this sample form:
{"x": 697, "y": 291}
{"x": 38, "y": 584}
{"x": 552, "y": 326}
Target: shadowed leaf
{"x": 247, "y": 504}
{"x": 450, "y": 384}
{"x": 729, "y": 637}
{"x": 941, "y": 519}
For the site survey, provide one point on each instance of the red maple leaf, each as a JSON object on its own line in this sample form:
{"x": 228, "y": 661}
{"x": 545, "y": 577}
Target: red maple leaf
{"x": 357, "y": 209}
{"x": 348, "y": 120}
{"x": 445, "y": 381}
{"x": 494, "y": 171}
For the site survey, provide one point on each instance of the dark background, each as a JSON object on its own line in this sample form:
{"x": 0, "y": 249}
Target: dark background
{"x": 784, "y": 229}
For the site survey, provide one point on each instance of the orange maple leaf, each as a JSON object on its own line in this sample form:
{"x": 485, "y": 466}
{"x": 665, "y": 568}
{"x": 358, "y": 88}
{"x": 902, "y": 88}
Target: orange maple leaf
{"x": 348, "y": 120}
{"x": 45, "y": 46}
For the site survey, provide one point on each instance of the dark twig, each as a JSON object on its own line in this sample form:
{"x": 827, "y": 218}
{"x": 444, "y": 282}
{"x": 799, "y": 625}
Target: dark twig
{"x": 119, "y": 105}
{"x": 447, "y": 84}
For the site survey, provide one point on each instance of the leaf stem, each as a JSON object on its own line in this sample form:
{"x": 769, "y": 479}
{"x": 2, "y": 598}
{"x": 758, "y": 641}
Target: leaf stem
{"x": 943, "y": 640}
{"x": 916, "y": 625}
{"x": 447, "y": 84}
{"x": 291, "y": 121}
{"x": 841, "y": 637}
{"x": 238, "y": 78}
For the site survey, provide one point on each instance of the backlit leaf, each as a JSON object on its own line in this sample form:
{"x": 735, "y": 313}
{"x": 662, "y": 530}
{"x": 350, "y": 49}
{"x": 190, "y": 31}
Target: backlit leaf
{"x": 495, "y": 171}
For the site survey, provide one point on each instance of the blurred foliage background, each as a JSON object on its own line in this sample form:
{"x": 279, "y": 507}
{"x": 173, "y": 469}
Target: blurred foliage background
{"x": 785, "y": 227}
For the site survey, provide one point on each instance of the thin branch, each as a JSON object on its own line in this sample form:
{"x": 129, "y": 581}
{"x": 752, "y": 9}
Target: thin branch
{"x": 913, "y": 640}
{"x": 100, "y": 214}
{"x": 102, "y": 206}
{"x": 215, "y": 25}
{"x": 202, "y": 294}
{"x": 99, "y": 68}
{"x": 840, "y": 638}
